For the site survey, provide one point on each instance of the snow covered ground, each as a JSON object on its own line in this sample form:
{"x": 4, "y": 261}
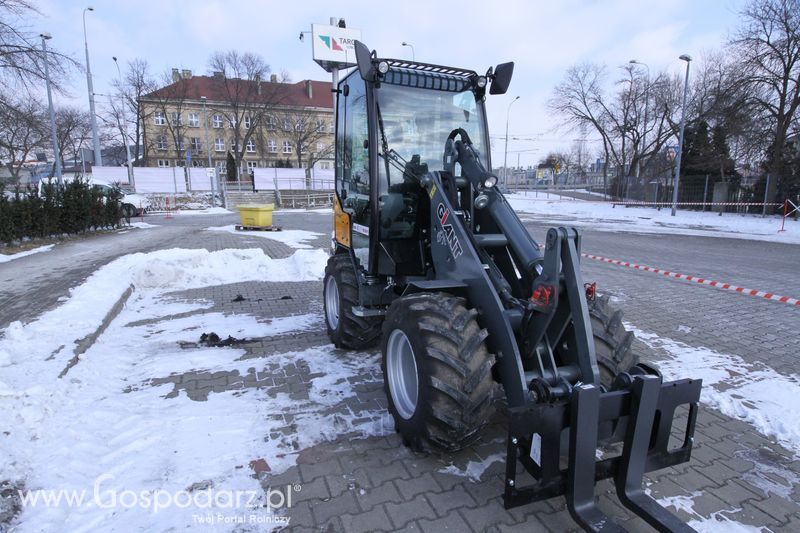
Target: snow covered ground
{"x": 295, "y": 238}
{"x": 602, "y": 216}
{"x": 6, "y": 258}
{"x": 102, "y": 434}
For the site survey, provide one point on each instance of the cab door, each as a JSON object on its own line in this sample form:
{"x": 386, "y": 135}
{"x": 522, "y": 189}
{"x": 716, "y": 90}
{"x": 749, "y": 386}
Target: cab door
{"x": 352, "y": 163}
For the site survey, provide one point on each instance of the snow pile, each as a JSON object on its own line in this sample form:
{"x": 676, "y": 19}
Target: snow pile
{"x": 6, "y": 258}
{"x": 474, "y": 469}
{"x": 143, "y": 225}
{"x": 295, "y": 238}
{"x": 108, "y": 427}
{"x": 717, "y": 521}
{"x": 752, "y": 392}
{"x": 190, "y": 210}
{"x": 603, "y": 216}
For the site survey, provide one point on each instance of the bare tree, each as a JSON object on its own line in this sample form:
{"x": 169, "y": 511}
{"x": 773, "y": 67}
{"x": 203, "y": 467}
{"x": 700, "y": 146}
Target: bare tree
{"x": 307, "y": 133}
{"x": 137, "y": 82}
{"x": 767, "y": 49}
{"x": 169, "y": 104}
{"x": 73, "y": 130}
{"x": 21, "y": 58}
{"x": 246, "y": 99}
{"x": 22, "y": 130}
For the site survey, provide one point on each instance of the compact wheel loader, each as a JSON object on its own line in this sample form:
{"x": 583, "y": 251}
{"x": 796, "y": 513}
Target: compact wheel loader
{"x": 431, "y": 261}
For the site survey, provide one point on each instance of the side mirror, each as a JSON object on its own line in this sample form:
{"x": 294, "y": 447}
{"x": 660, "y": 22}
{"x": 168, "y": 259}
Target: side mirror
{"x": 502, "y": 78}
{"x": 364, "y": 61}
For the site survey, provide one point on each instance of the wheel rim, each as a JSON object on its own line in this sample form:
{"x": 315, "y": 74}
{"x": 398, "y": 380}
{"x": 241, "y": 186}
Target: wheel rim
{"x": 332, "y": 302}
{"x": 401, "y": 367}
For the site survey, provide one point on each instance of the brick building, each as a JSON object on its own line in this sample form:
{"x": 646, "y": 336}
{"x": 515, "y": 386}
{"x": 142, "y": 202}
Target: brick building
{"x": 260, "y": 123}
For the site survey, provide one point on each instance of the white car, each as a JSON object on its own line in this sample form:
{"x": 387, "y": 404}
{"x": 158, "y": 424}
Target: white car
{"x": 132, "y": 203}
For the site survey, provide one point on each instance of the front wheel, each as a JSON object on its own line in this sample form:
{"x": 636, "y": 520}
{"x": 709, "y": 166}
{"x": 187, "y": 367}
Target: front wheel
{"x": 612, "y": 341}
{"x": 436, "y": 371}
{"x": 340, "y": 295}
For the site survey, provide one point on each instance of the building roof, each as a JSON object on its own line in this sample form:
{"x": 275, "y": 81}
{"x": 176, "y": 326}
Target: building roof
{"x": 306, "y": 93}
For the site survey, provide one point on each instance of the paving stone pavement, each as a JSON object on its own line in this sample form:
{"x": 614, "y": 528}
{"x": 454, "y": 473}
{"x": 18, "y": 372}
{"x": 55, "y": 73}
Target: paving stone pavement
{"x": 375, "y": 484}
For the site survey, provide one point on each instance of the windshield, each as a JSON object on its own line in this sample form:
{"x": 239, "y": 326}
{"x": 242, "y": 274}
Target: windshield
{"x": 416, "y": 122}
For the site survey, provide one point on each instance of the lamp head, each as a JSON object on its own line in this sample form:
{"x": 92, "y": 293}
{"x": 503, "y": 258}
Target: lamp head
{"x": 46, "y": 36}
{"x": 114, "y": 58}
{"x": 685, "y": 57}
{"x": 89, "y": 8}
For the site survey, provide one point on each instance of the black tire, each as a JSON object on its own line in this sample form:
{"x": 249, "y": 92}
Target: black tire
{"x": 349, "y": 331}
{"x": 454, "y": 377}
{"x": 612, "y": 342}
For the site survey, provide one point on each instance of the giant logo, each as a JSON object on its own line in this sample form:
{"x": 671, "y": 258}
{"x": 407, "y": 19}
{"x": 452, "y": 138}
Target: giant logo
{"x": 448, "y": 233}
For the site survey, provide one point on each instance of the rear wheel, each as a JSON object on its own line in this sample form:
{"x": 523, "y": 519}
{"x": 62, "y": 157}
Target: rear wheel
{"x": 612, "y": 342}
{"x": 340, "y": 295}
{"x": 436, "y": 371}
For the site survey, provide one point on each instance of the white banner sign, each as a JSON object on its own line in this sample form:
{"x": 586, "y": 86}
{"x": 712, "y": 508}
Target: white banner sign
{"x": 334, "y": 45}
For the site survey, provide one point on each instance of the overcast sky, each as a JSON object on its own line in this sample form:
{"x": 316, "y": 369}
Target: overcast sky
{"x": 542, "y": 37}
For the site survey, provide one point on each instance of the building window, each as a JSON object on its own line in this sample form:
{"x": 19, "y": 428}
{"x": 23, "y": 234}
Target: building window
{"x": 194, "y": 119}
{"x": 180, "y": 163}
{"x": 216, "y": 120}
{"x": 232, "y": 122}
{"x": 320, "y": 148}
{"x": 272, "y": 146}
{"x": 198, "y": 163}
{"x": 251, "y": 146}
{"x": 163, "y": 163}
{"x": 196, "y": 146}
{"x": 302, "y": 147}
{"x": 219, "y": 145}
{"x": 252, "y": 164}
{"x": 176, "y": 118}
{"x": 287, "y": 147}
{"x": 300, "y": 126}
{"x": 321, "y": 126}
{"x": 287, "y": 125}
{"x": 325, "y": 165}
{"x": 179, "y": 144}
{"x": 222, "y": 166}
{"x": 248, "y": 121}
{"x": 271, "y": 123}
{"x": 161, "y": 142}
{"x": 158, "y": 118}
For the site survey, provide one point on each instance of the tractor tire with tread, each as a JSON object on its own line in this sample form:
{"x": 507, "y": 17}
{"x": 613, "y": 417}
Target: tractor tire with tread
{"x": 455, "y": 389}
{"x": 349, "y": 331}
{"x": 612, "y": 342}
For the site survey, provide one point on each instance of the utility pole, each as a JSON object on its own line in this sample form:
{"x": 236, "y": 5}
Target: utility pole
{"x": 688, "y": 59}
{"x": 125, "y": 129}
{"x": 505, "y": 151}
{"x": 56, "y": 155}
{"x": 98, "y": 155}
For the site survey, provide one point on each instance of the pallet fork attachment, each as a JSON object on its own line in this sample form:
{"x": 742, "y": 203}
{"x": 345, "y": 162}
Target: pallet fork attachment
{"x": 643, "y": 412}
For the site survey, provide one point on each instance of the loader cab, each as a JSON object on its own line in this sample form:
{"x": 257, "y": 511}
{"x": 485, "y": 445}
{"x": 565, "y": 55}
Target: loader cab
{"x": 390, "y": 132}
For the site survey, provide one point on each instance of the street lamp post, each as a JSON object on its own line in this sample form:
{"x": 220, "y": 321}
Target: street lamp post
{"x": 505, "y": 151}
{"x": 56, "y": 155}
{"x": 688, "y": 59}
{"x": 646, "y": 106}
{"x": 413, "y": 55}
{"x": 125, "y": 128}
{"x": 98, "y": 156}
